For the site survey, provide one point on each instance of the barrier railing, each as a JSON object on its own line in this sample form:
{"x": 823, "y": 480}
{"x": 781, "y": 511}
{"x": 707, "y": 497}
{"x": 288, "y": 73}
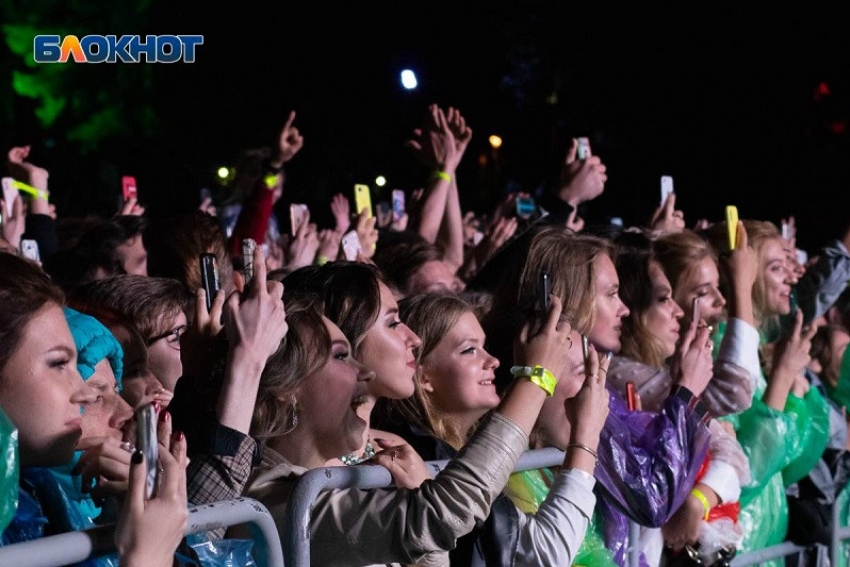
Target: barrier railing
{"x": 74, "y": 547}
{"x": 296, "y": 544}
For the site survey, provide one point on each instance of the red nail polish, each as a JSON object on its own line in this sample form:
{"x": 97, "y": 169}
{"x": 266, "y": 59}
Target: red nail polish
{"x": 165, "y": 416}
{"x": 156, "y": 407}
{"x": 180, "y": 436}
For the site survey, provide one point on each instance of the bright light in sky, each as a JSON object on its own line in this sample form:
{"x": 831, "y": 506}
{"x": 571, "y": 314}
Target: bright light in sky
{"x": 408, "y": 79}
{"x": 223, "y": 172}
{"x": 495, "y": 141}
{"x": 380, "y": 181}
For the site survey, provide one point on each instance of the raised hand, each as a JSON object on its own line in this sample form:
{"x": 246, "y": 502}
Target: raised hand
{"x": 13, "y": 226}
{"x": 574, "y": 222}
{"x": 549, "y": 347}
{"x": 302, "y": 248}
{"x": 341, "y": 209}
{"x": 149, "y": 531}
{"x": 329, "y": 241}
{"x": 290, "y": 142}
{"x": 581, "y": 180}
{"x": 461, "y": 132}
{"x": 666, "y": 218}
{"x": 106, "y": 461}
{"x": 367, "y": 233}
{"x": 435, "y": 145}
{"x": 692, "y": 364}
{"x": 131, "y": 207}
{"x": 588, "y": 409}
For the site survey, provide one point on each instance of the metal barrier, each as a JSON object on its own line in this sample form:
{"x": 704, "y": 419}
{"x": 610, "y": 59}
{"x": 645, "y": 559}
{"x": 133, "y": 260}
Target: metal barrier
{"x": 296, "y": 544}
{"x": 74, "y": 547}
{"x": 783, "y": 549}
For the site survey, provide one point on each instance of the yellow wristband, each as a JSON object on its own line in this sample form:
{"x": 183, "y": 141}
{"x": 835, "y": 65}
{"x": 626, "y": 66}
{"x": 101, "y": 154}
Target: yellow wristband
{"x": 537, "y": 375}
{"x": 322, "y": 260}
{"x": 441, "y": 175}
{"x": 37, "y": 193}
{"x": 697, "y": 493}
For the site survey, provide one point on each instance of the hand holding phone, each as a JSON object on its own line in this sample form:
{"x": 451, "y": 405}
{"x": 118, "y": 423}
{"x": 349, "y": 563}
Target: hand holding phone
{"x": 732, "y": 226}
{"x": 362, "y": 199}
{"x": 248, "y": 247}
{"x": 695, "y": 311}
{"x": 525, "y": 207}
{"x": 29, "y": 250}
{"x": 209, "y": 278}
{"x": 148, "y": 443}
{"x": 297, "y": 216}
{"x": 545, "y": 290}
{"x": 351, "y": 245}
{"x": 128, "y": 186}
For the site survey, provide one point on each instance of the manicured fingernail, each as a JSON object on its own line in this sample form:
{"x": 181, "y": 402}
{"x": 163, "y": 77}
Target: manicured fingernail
{"x": 165, "y": 416}
{"x": 180, "y": 436}
{"x": 156, "y": 407}
{"x": 137, "y": 458}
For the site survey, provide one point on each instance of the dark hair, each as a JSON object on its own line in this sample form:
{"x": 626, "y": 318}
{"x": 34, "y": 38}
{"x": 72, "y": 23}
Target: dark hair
{"x": 24, "y": 291}
{"x": 96, "y": 248}
{"x": 398, "y": 263}
{"x": 143, "y": 301}
{"x": 175, "y": 244}
{"x": 349, "y": 292}
{"x": 304, "y": 351}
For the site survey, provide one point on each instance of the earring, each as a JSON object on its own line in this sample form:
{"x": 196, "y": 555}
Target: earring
{"x": 293, "y": 418}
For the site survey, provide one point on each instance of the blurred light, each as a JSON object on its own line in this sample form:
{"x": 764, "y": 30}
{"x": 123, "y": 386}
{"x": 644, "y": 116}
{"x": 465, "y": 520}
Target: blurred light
{"x": 408, "y": 79}
{"x": 495, "y": 141}
{"x": 223, "y": 172}
{"x": 380, "y": 181}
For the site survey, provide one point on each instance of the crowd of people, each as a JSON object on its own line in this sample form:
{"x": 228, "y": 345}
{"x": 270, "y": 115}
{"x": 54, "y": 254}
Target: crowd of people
{"x": 695, "y": 379}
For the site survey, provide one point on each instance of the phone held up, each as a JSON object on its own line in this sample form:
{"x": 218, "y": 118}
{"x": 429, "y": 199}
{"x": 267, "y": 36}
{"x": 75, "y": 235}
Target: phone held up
{"x": 209, "y": 278}
{"x": 362, "y": 199}
{"x": 545, "y": 290}
{"x": 666, "y": 187}
{"x": 248, "y": 247}
{"x": 732, "y": 226}
{"x": 148, "y": 444}
{"x": 583, "y": 151}
{"x": 128, "y": 186}
{"x": 398, "y": 204}
{"x": 351, "y": 245}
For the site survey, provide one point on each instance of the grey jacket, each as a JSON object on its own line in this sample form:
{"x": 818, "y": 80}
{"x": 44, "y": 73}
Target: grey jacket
{"x": 388, "y": 525}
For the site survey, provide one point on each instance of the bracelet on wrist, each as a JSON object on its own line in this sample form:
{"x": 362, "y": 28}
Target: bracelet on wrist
{"x": 583, "y": 448}
{"x": 697, "y": 493}
{"x": 437, "y": 174}
{"x": 537, "y": 375}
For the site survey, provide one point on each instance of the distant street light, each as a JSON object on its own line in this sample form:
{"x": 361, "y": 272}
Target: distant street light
{"x": 380, "y": 181}
{"x": 408, "y": 79}
{"x": 495, "y": 141}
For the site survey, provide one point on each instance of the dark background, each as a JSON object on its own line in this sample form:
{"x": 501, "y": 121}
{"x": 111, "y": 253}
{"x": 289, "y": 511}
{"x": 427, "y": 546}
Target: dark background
{"x": 740, "y": 108}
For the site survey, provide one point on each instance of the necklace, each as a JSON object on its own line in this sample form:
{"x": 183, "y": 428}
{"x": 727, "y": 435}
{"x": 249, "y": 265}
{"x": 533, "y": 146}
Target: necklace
{"x": 355, "y": 459}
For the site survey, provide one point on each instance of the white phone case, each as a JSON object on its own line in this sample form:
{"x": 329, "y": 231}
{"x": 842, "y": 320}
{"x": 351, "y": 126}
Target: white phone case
{"x": 583, "y": 148}
{"x": 351, "y": 245}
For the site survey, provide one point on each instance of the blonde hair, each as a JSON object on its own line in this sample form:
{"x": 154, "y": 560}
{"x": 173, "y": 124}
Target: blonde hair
{"x": 431, "y": 316}
{"x": 677, "y": 253}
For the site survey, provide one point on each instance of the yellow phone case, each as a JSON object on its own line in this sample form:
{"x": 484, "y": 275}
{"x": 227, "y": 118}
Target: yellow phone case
{"x": 732, "y": 225}
{"x": 362, "y": 198}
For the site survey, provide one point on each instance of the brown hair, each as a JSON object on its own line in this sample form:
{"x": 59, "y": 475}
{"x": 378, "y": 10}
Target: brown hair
{"x": 636, "y": 291}
{"x": 349, "y": 292}
{"x": 144, "y": 301}
{"x": 304, "y": 351}
{"x": 24, "y": 291}
{"x": 431, "y": 316}
{"x": 398, "y": 263}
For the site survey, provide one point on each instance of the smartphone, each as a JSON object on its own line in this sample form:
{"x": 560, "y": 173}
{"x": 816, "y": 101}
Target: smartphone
{"x": 362, "y": 199}
{"x": 148, "y": 444}
{"x": 10, "y": 193}
{"x": 525, "y": 207}
{"x": 128, "y": 186}
{"x": 297, "y": 216}
{"x": 29, "y": 250}
{"x": 398, "y": 204}
{"x": 545, "y": 290}
{"x": 695, "y": 313}
{"x": 477, "y": 237}
{"x": 585, "y": 348}
{"x": 666, "y": 187}
{"x": 351, "y": 245}
{"x": 583, "y": 151}
{"x": 732, "y": 226}
{"x": 209, "y": 278}
{"x": 204, "y": 194}
{"x": 630, "y": 395}
{"x": 384, "y": 212}
{"x": 248, "y": 247}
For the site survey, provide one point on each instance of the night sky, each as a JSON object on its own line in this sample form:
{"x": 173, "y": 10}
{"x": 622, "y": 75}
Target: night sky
{"x": 729, "y": 104}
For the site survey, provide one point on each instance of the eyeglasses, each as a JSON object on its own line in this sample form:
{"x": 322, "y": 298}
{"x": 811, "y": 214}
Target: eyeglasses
{"x": 172, "y": 337}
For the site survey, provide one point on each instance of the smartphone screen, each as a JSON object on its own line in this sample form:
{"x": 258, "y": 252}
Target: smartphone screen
{"x": 29, "y": 250}
{"x": 351, "y": 245}
{"x": 525, "y": 207}
{"x": 128, "y": 185}
{"x": 209, "y": 278}
{"x": 666, "y": 187}
{"x": 148, "y": 444}
{"x": 248, "y": 247}
{"x": 695, "y": 314}
{"x": 585, "y": 347}
{"x": 630, "y": 395}
{"x": 583, "y": 151}
{"x": 297, "y": 216}
{"x": 398, "y": 204}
